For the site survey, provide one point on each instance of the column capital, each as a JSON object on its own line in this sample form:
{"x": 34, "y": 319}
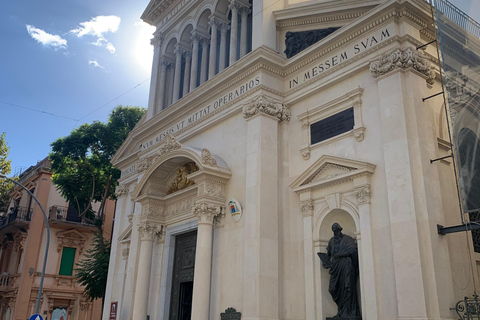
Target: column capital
{"x": 363, "y": 194}
{"x": 266, "y": 105}
{"x": 205, "y": 212}
{"x": 245, "y": 10}
{"x": 403, "y": 58}
{"x": 197, "y": 36}
{"x": 187, "y": 54}
{"x": 148, "y": 230}
{"x": 306, "y": 208}
{"x": 238, "y": 5}
{"x": 223, "y": 26}
{"x": 121, "y": 190}
{"x": 179, "y": 50}
{"x": 166, "y": 63}
{"x": 157, "y": 40}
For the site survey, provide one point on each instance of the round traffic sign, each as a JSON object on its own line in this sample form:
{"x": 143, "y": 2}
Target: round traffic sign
{"x": 36, "y": 317}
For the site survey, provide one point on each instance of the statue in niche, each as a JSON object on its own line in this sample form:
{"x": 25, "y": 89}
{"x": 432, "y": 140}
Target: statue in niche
{"x": 341, "y": 260}
{"x": 296, "y": 42}
{"x": 181, "y": 182}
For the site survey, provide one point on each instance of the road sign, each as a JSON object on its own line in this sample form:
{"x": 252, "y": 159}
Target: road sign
{"x": 36, "y": 316}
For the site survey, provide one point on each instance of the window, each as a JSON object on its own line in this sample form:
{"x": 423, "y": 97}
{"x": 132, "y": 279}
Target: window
{"x": 68, "y": 259}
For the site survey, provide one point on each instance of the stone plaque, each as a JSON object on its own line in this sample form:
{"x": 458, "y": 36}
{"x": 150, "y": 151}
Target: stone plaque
{"x": 230, "y": 314}
{"x": 332, "y": 126}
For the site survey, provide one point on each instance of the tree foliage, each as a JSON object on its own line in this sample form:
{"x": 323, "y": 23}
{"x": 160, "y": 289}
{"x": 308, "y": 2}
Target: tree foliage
{"x": 81, "y": 161}
{"x": 92, "y": 272}
{"x": 6, "y": 187}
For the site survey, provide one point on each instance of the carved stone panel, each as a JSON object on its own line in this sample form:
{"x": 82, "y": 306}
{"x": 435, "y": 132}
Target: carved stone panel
{"x": 230, "y": 314}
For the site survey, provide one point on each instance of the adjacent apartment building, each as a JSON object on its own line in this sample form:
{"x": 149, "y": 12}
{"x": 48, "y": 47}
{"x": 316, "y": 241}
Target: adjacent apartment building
{"x": 269, "y": 121}
{"x": 23, "y": 237}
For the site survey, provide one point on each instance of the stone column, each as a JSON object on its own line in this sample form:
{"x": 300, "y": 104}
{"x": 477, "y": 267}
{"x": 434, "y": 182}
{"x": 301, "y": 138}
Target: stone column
{"x": 234, "y": 29}
{"x": 147, "y": 231}
{"x": 186, "y": 75}
{"x": 194, "y": 71}
{"x": 213, "y": 48}
{"x": 223, "y": 45}
{"x": 261, "y": 259}
{"x": 177, "y": 77}
{"x": 203, "y": 69}
{"x": 153, "y": 108}
{"x": 306, "y": 209}
{"x": 161, "y": 85}
{"x": 203, "y": 261}
{"x": 244, "y": 11}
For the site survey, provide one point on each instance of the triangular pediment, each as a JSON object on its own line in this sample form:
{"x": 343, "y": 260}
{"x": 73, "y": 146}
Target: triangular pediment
{"x": 71, "y": 234}
{"x": 126, "y": 235}
{"x": 329, "y": 169}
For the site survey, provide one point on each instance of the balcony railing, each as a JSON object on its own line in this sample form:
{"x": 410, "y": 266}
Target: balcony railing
{"x": 17, "y": 214}
{"x": 7, "y": 281}
{"x": 59, "y": 213}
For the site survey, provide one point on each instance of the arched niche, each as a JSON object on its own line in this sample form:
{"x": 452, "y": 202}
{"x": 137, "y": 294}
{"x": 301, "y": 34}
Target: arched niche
{"x": 208, "y": 188}
{"x": 338, "y": 190}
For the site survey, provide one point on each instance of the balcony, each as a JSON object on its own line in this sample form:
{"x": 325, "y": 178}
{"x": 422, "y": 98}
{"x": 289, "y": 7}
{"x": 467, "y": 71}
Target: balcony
{"x": 7, "y": 281}
{"x": 66, "y": 214}
{"x": 16, "y": 214}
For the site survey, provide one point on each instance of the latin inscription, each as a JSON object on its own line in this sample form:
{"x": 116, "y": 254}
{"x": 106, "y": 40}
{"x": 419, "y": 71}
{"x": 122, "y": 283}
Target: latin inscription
{"x": 204, "y": 111}
{"x": 338, "y": 58}
{"x": 332, "y": 126}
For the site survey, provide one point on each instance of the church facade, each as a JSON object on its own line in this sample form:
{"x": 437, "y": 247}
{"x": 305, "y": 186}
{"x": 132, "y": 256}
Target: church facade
{"x": 268, "y": 122}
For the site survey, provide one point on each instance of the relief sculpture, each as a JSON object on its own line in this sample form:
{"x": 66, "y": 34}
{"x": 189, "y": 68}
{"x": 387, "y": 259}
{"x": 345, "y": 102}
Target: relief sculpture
{"x": 181, "y": 182}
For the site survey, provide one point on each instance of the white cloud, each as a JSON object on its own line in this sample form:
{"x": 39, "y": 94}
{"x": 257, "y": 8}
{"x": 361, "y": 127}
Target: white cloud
{"x": 98, "y": 27}
{"x": 95, "y": 64}
{"x": 46, "y": 39}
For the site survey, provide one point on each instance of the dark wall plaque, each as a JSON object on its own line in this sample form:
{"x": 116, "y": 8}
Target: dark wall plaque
{"x": 332, "y": 126}
{"x": 231, "y": 314}
{"x": 296, "y": 42}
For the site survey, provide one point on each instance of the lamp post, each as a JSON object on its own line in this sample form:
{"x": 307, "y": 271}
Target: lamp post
{"x": 48, "y": 240}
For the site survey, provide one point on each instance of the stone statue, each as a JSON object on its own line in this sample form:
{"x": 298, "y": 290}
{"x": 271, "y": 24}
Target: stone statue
{"x": 342, "y": 262}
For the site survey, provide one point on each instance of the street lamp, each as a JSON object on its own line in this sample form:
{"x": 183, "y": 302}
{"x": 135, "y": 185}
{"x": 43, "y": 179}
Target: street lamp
{"x": 48, "y": 240}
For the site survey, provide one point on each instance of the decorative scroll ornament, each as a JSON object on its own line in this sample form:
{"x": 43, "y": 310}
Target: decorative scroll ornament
{"x": 403, "y": 58}
{"x": 170, "y": 144}
{"x": 161, "y": 234}
{"x": 207, "y": 158}
{"x": 181, "y": 182}
{"x": 219, "y": 219}
{"x": 306, "y": 208}
{"x": 147, "y": 231}
{"x": 205, "y": 213}
{"x": 121, "y": 190}
{"x": 266, "y": 105}
{"x": 363, "y": 194}
{"x": 142, "y": 165}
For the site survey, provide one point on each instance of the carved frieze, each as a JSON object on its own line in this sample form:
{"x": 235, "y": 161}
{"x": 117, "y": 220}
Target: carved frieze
{"x": 179, "y": 207}
{"x": 215, "y": 190}
{"x": 266, "y": 105}
{"x": 205, "y": 212}
{"x": 125, "y": 253}
{"x": 121, "y": 190}
{"x": 152, "y": 208}
{"x": 207, "y": 158}
{"x": 403, "y": 58}
{"x": 363, "y": 194}
{"x": 306, "y": 208}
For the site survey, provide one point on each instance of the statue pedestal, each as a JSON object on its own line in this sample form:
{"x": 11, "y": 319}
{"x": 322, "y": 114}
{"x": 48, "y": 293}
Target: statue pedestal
{"x": 342, "y": 318}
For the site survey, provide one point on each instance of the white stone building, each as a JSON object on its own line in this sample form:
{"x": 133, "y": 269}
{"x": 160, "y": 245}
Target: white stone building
{"x": 336, "y": 132}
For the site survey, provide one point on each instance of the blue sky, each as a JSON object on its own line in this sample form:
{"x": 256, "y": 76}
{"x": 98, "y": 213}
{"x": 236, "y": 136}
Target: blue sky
{"x": 69, "y": 58}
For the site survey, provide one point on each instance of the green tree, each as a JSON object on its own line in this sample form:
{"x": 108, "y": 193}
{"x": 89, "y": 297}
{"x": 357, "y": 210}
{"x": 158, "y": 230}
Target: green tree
{"x": 92, "y": 272}
{"x": 83, "y": 173}
{"x": 81, "y": 161}
{"x": 6, "y": 187}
